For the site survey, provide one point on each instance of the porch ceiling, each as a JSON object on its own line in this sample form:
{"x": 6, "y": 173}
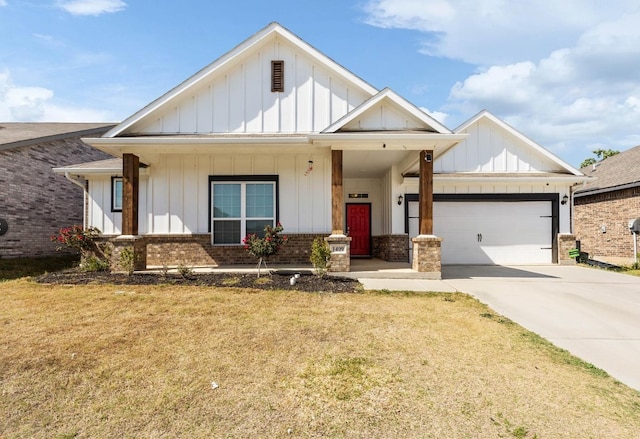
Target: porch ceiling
{"x": 372, "y": 164}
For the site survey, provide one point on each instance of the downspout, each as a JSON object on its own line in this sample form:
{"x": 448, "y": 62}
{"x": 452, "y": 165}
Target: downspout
{"x": 73, "y": 180}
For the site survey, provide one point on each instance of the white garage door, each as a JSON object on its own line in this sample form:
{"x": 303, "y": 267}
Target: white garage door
{"x": 492, "y": 232}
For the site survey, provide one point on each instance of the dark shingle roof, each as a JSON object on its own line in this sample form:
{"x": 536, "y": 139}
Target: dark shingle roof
{"x": 14, "y": 134}
{"x": 616, "y": 172}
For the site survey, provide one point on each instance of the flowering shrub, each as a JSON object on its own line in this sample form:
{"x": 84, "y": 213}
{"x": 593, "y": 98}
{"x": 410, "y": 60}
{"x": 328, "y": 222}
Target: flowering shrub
{"x": 266, "y": 246}
{"x": 76, "y": 237}
{"x": 92, "y": 257}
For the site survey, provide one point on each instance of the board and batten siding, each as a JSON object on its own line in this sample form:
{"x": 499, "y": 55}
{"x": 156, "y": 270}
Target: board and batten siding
{"x": 174, "y": 197}
{"x": 99, "y": 212}
{"x": 488, "y": 148}
{"x": 238, "y": 99}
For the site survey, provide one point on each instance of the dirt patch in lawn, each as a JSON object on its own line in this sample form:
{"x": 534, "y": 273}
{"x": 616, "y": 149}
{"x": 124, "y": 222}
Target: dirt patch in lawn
{"x": 277, "y": 280}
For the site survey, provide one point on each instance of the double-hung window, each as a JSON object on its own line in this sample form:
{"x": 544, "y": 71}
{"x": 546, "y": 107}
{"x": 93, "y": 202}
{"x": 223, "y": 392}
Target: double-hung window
{"x": 242, "y": 206}
{"x": 116, "y": 194}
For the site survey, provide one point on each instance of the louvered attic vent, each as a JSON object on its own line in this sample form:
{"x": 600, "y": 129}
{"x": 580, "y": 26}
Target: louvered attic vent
{"x": 277, "y": 76}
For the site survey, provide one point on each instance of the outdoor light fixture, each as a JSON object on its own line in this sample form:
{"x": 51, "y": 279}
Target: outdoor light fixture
{"x": 400, "y": 200}
{"x": 565, "y": 199}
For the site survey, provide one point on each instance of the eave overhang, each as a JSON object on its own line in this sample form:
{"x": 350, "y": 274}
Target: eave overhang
{"x": 387, "y": 140}
{"x": 502, "y": 178}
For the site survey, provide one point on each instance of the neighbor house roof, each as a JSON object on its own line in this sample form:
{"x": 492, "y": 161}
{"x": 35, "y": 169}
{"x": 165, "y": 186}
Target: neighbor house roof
{"x": 16, "y": 134}
{"x": 617, "y": 172}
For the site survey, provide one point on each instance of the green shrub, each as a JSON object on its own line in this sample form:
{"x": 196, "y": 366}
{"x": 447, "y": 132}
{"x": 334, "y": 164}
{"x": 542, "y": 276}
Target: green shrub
{"x": 93, "y": 263}
{"x": 127, "y": 260}
{"x": 185, "y": 271}
{"x": 320, "y": 254}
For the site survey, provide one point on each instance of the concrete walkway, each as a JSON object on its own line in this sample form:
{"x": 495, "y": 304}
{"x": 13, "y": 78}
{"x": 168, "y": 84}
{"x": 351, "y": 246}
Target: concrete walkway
{"x": 594, "y": 314}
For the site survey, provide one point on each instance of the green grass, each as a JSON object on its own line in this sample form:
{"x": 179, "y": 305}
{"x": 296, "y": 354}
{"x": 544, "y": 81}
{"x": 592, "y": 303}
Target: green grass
{"x": 139, "y": 361}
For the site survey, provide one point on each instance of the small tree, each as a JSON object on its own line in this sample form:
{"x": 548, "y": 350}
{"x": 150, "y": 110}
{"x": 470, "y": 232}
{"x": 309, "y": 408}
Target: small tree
{"x": 320, "y": 254}
{"x": 265, "y": 246}
{"x": 601, "y": 154}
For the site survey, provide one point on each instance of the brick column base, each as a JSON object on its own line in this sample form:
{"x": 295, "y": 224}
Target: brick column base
{"x": 136, "y": 244}
{"x": 427, "y": 256}
{"x": 340, "y": 259}
{"x": 566, "y": 241}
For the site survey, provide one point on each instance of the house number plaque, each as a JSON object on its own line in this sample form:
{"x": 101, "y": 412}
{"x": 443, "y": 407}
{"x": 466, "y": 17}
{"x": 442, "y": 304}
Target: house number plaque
{"x": 338, "y": 248}
{"x": 3, "y": 227}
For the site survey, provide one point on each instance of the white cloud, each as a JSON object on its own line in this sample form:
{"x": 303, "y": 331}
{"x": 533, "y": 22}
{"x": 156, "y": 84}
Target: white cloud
{"x": 567, "y": 74}
{"x": 91, "y": 7}
{"x": 584, "y": 95}
{"x": 440, "y": 116}
{"x": 36, "y": 104}
{"x": 3, "y": 3}
{"x": 485, "y": 32}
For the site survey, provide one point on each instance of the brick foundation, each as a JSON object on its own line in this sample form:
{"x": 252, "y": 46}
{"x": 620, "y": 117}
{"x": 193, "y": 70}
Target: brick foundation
{"x": 136, "y": 244}
{"x": 427, "y": 256}
{"x": 566, "y": 242}
{"x": 392, "y": 248}
{"x": 196, "y": 250}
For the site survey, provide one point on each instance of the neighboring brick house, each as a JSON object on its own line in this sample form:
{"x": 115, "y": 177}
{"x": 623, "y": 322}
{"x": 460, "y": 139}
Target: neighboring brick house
{"x": 604, "y": 206}
{"x": 34, "y": 201}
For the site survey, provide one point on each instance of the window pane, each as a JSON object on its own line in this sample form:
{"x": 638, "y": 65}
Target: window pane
{"x": 260, "y": 200}
{"x": 257, "y": 226}
{"x": 226, "y": 201}
{"x": 117, "y": 194}
{"x": 226, "y": 232}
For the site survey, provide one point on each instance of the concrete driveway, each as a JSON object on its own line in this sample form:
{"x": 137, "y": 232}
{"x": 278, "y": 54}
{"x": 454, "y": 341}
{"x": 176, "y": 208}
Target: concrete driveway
{"x": 594, "y": 314}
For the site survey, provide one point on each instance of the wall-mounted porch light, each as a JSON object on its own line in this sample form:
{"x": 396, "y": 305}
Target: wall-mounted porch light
{"x": 565, "y": 199}
{"x": 400, "y": 200}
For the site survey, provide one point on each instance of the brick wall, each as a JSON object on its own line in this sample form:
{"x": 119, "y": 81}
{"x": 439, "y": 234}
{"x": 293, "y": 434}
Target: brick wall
{"x": 613, "y": 210}
{"x": 34, "y": 201}
{"x": 196, "y": 250}
{"x": 392, "y": 248}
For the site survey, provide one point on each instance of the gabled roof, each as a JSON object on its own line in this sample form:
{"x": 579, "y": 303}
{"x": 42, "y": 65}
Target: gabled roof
{"x": 617, "y": 172}
{"x": 16, "y": 134}
{"x": 273, "y": 30}
{"x": 430, "y": 124}
{"x": 484, "y": 114}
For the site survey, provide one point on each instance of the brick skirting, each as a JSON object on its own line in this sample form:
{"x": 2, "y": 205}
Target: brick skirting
{"x": 196, "y": 250}
{"x": 392, "y": 248}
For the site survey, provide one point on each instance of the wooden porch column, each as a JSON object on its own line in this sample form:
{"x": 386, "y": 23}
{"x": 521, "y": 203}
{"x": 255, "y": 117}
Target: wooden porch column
{"x": 130, "y": 190}
{"x": 426, "y": 193}
{"x": 337, "y": 194}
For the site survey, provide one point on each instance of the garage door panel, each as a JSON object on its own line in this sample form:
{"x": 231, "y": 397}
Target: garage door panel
{"x": 494, "y": 232}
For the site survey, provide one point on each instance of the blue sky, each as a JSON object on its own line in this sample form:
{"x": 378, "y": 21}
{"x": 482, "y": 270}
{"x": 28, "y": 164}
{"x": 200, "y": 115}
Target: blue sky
{"x": 566, "y": 74}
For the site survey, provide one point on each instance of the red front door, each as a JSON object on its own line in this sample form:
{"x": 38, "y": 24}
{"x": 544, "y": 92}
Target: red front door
{"x": 359, "y": 228}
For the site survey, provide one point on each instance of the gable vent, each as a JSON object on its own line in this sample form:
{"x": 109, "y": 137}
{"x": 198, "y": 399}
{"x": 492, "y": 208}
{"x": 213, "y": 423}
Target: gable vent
{"x": 277, "y": 76}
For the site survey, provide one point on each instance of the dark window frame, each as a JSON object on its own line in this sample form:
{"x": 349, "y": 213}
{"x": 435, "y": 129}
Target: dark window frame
{"x": 243, "y": 179}
{"x": 114, "y": 180}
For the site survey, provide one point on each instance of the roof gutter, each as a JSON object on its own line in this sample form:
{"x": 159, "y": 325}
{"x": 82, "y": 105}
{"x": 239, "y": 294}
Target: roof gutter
{"x": 74, "y": 180}
{"x": 607, "y": 189}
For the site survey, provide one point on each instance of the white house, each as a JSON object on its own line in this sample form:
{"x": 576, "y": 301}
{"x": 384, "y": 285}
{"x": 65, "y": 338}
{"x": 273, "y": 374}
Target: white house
{"x": 275, "y": 131}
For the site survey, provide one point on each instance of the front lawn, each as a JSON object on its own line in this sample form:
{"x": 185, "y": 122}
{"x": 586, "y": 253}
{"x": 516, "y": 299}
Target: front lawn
{"x": 189, "y": 361}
